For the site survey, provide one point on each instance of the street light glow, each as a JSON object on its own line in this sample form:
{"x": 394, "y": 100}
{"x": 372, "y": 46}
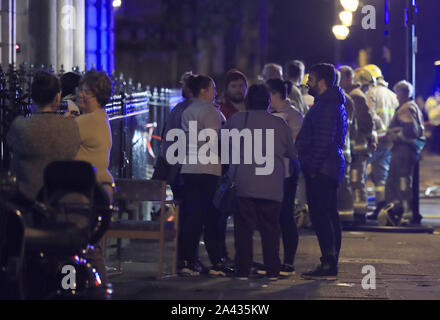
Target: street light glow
{"x": 341, "y": 32}
{"x": 117, "y": 3}
{"x": 350, "y": 5}
{"x": 346, "y": 18}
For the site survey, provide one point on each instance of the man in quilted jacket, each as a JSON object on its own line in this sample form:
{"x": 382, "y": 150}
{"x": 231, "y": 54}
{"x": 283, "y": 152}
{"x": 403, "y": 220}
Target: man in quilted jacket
{"x": 320, "y": 146}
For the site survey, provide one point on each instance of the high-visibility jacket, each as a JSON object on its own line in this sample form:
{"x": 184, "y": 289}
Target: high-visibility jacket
{"x": 383, "y": 102}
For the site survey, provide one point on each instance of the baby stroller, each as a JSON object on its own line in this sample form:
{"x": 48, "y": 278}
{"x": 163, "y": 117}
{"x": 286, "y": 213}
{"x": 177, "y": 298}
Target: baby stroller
{"x": 71, "y": 214}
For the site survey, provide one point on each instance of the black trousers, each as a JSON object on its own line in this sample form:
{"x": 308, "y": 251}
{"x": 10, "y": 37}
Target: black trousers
{"x": 289, "y": 230}
{"x": 200, "y": 217}
{"x": 322, "y": 200}
{"x": 262, "y": 215}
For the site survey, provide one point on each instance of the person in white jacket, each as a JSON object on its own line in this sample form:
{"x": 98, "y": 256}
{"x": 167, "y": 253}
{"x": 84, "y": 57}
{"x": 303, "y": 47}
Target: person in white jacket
{"x": 383, "y": 103}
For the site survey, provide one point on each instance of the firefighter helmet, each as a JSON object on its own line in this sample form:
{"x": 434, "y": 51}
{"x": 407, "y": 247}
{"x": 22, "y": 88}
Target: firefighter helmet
{"x": 306, "y": 78}
{"x": 374, "y": 70}
{"x": 363, "y": 77}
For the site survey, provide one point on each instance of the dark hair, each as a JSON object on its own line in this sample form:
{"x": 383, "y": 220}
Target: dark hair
{"x": 326, "y": 72}
{"x": 294, "y": 68}
{"x": 198, "y": 82}
{"x": 233, "y": 75}
{"x": 45, "y": 88}
{"x": 99, "y": 85}
{"x": 258, "y": 97}
{"x": 284, "y": 88}
{"x": 69, "y": 83}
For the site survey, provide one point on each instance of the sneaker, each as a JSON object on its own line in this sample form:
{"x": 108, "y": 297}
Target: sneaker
{"x": 221, "y": 270}
{"x": 321, "y": 272}
{"x": 200, "y": 267}
{"x": 287, "y": 270}
{"x": 260, "y": 269}
{"x": 228, "y": 262}
{"x": 187, "y": 269}
{"x": 272, "y": 279}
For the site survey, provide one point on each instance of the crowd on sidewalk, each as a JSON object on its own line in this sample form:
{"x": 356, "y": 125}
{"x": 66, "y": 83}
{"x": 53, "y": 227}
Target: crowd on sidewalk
{"x": 327, "y": 126}
{"x": 318, "y": 133}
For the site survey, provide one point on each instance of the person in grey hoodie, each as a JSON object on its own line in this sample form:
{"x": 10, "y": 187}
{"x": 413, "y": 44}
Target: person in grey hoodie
{"x": 320, "y": 146}
{"x": 260, "y": 192}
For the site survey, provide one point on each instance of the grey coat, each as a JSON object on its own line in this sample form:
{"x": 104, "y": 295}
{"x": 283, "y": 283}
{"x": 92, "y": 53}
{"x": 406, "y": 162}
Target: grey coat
{"x": 249, "y": 184}
{"x": 37, "y": 141}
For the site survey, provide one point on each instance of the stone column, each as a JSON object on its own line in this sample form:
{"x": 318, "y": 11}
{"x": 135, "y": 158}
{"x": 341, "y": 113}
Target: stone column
{"x": 79, "y": 42}
{"x": 43, "y": 32}
{"x": 8, "y": 32}
{"x": 22, "y": 23}
{"x": 66, "y": 25}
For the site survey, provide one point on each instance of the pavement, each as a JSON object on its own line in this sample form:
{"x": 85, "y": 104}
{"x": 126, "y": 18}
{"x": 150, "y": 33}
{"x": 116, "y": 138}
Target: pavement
{"x": 373, "y": 265}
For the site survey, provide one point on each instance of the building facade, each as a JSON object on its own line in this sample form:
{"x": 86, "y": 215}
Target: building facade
{"x": 68, "y": 33}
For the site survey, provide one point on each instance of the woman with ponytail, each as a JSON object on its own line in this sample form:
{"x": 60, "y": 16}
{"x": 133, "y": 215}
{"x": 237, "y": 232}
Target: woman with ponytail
{"x": 200, "y": 181}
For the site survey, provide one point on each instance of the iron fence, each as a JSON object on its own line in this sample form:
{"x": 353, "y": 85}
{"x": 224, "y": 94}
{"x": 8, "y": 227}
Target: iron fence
{"x": 137, "y": 117}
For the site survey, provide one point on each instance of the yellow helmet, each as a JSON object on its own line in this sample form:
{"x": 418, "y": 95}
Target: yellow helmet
{"x": 374, "y": 70}
{"x": 306, "y": 78}
{"x": 363, "y": 77}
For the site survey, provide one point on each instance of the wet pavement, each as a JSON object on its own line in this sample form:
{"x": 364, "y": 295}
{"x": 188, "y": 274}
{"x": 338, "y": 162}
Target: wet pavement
{"x": 403, "y": 265}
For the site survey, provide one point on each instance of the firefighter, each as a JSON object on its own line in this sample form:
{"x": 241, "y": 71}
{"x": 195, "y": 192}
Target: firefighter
{"x": 345, "y": 193}
{"x": 362, "y": 137}
{"x": 406, "y": 135}
{"x": 383, "y": 103}
{"x": 432, "y": 107}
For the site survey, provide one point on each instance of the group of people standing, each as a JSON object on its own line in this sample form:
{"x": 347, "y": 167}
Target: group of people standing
{"x": 305, "y": 140}
{"x": 49, "y": 135}
{"x": 386, "y": 132}
{"x": 328, "y": 126}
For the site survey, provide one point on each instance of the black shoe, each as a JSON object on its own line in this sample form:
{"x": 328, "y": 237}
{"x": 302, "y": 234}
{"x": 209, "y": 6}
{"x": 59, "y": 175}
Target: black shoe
{"x": 260, "y": 269}
{"x": 221, "y": 270}
{"x": 359, "y": 220}
{"x": 322, "y": 272}
{"x": 375, "y": 214}
{"x": 228, "y": 262}
{"x": 287, "y": 270}
{"x": 187, "y": 269}
{"x": 200, "y": 267}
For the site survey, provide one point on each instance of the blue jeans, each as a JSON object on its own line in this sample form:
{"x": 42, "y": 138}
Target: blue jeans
{"x": 380, "y": 165}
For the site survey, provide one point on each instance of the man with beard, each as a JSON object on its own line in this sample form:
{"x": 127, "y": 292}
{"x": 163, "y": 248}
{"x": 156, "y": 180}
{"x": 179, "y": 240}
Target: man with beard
{"x": 320, "y": 149}
{"x": 235, "y": 92}
{"x": 236, "y": 85}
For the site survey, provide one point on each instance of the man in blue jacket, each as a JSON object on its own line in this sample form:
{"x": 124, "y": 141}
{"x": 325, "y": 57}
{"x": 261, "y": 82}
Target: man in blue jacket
{"x": 320, "y": 146}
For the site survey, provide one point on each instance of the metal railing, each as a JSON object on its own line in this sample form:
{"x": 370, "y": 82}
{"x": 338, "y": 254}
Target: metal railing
{"x": 137, "y": 116}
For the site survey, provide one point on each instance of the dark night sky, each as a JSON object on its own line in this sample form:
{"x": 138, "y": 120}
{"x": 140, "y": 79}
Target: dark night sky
{"x": 301, "y": 29}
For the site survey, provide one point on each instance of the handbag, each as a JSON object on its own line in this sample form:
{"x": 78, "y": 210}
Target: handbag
{"x": 225, "y": 199}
